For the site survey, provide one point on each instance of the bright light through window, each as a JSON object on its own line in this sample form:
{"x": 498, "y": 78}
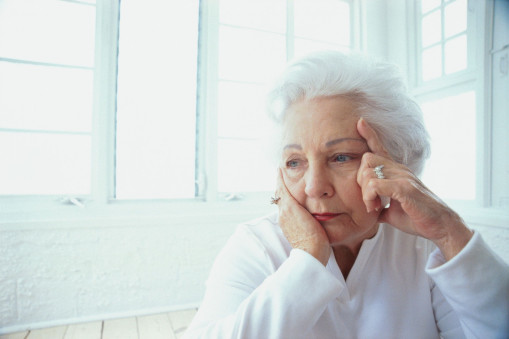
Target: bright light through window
{"x": 46, "y": 96}
{"x": 156, "y": 101}
{"x": 443, "y": 47}
{"x": 253, "y": 48}
{"x": 49, "y": 141}
{"x": 451, "y": 124}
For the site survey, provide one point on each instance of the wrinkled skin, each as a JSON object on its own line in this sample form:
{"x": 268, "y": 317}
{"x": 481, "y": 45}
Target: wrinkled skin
{"x": 327, "y": 167}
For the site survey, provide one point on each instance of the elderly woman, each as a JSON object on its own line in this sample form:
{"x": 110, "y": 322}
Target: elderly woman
{"x": 360, "y": 248}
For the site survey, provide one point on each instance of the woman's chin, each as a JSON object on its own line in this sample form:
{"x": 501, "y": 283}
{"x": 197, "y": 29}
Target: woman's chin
{"x": 348, "y": 234}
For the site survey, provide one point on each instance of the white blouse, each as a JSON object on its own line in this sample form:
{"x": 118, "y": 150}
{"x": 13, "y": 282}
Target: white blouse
{"x": 399, "y": 287}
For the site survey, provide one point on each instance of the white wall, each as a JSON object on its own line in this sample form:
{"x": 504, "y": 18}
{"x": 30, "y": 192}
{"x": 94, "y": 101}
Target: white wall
{"x": 64, "y": 273}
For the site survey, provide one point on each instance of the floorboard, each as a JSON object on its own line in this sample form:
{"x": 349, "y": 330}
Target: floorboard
{"x": 180, "y": 320}
{"x": 17, "y": 335}
{"x": 155, "y": 327}
{"x": 120, "y": 329}
{"x": 84, "y": 331}
{"x": 158, "y": 326}
{"x": 47, "y": 333}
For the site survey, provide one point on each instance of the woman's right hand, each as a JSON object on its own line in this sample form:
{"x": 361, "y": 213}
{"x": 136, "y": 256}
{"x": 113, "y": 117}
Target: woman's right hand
{"x": 300, "y": 228}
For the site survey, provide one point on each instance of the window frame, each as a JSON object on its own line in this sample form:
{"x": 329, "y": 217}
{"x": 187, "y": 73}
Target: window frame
{"x": 477, "y": 78}
{"x": 100, "y": 206}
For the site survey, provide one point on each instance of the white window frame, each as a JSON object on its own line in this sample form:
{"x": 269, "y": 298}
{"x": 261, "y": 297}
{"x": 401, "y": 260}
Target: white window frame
{"x": 100, "y": 208}
{"x": 476, "y": 77}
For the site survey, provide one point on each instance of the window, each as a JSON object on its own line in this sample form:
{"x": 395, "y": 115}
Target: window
{"x": 451, "y": 123}
{"x": 156, "y": 99}
{"x": 255, "y": 40}
{"x": 446, "y": 87}
{"x": 46, "y": 96}
{"x": 458, "y": 85}
{"x": 147, "y": 99}
{"x": 444, "y": 38}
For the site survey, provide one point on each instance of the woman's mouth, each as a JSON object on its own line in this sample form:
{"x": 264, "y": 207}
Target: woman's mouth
{"x": 325, "y": 216}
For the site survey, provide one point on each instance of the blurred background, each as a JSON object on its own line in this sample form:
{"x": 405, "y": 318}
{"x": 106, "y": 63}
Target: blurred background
{"x": 132, "y": 134}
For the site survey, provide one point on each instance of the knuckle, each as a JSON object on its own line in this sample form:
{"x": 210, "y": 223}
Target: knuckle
{"x": 368, "y": 157}
{"x": 371, "y": 185}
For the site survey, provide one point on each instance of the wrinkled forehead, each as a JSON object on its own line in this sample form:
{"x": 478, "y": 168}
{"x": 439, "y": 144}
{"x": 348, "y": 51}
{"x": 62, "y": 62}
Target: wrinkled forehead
{"x": 321, "y": 116}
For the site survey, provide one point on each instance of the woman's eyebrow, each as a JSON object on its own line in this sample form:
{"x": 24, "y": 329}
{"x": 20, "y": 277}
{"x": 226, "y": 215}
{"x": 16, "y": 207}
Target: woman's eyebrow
{"x": 327, "y": 144}
{"x": 337, "y": 141}
{"x": 299, "y": 147}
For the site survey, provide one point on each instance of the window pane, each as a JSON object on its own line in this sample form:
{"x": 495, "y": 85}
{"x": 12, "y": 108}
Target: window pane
{"x": 427, "y": 5}
{"x": 47, "y": 31}
{"x": 451, "y": 170}
{"x": 37, "y": 163}
{"x": 241, "y": 110}
{"x": 156, "y": 99}
{"x": 432, "y": 63}
{"x": 431, "y": 28}
{"x": 456, "y": 54}
{"x": 249, "y": 55}
{"x": 261, "y": 14}
{"x": 244, "y": 166}
{"x": 455, "y": 18}
{"x": 45, "y": 98}
{"x": 324, "y": 20}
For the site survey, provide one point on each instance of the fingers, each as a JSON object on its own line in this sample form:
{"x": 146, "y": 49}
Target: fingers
{"x": 281, "y": 191}
{"x": 369, "y": 134}
{"x": 376, "y": 190}
{"x": 376, "y": 194}
{"x": 286, "y": 201}
{"x": 299, "y": 227}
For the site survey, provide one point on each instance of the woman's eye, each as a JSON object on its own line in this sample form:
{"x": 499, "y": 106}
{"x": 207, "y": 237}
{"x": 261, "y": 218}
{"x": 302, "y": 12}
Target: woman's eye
{"x": 292, "y": 163}
{"x": 342, "y": 158}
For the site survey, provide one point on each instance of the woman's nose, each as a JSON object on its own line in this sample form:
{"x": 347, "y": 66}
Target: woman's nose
{"x": 318, "y": 184}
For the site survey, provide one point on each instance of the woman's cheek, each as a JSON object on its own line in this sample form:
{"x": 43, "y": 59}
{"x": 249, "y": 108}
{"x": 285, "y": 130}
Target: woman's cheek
{"x": 294, "y": 184}
{"x": 349, "y": 189}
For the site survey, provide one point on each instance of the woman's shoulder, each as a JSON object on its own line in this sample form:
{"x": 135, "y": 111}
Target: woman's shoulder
{"x": 267, "y": 234}
{"x": 255, "y": 250}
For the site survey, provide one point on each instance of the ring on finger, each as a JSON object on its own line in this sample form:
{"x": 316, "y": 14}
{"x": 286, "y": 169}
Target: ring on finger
{"x": 378, "y": 171}
{"x": 274, "y": 200}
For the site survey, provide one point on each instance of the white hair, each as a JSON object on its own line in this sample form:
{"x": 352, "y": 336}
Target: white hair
{"x": 377, "y": 89}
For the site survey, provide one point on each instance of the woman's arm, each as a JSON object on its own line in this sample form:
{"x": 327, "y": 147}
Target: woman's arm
{"x": 475, "y": 283}
{"x": 473, "y": 279}
{"x": 247, "y": 297}
{"x": 413, "y": 207}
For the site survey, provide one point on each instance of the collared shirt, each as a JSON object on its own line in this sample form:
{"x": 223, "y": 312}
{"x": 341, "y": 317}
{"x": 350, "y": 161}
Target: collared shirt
{"x": 399, "y": 287}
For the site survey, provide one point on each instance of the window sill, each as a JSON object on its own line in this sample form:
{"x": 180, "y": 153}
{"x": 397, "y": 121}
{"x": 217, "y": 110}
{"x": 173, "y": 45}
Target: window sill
{"x": 52, "y": 214}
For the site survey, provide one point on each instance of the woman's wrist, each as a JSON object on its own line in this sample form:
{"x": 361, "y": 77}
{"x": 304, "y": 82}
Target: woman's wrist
{"x": 456, "y": 237}
{"x": 320, "y": 252}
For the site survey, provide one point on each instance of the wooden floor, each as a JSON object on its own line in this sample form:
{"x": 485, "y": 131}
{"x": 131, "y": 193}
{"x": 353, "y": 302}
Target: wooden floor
{"x": 167, "y": 325}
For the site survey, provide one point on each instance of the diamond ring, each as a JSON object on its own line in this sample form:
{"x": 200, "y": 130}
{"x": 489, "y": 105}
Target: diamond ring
{"x": 378, "y": 172}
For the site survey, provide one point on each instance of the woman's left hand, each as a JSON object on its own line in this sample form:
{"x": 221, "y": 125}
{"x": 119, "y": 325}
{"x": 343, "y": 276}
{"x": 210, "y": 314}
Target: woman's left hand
{"x": 413, "y": 208}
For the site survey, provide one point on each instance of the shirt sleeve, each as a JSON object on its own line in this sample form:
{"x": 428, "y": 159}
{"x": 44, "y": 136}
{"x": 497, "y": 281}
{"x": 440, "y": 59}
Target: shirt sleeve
{"x": 475, "y": 284}
{"x": 244, "y": 299}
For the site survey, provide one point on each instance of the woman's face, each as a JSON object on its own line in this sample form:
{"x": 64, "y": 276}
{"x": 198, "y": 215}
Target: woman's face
{"x": 321, "y": 154}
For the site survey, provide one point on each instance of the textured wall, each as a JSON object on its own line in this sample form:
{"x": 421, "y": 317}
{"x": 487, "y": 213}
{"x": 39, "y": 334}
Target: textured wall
{"x": 497, "y": 238}
{"x": 52, "y": 276}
